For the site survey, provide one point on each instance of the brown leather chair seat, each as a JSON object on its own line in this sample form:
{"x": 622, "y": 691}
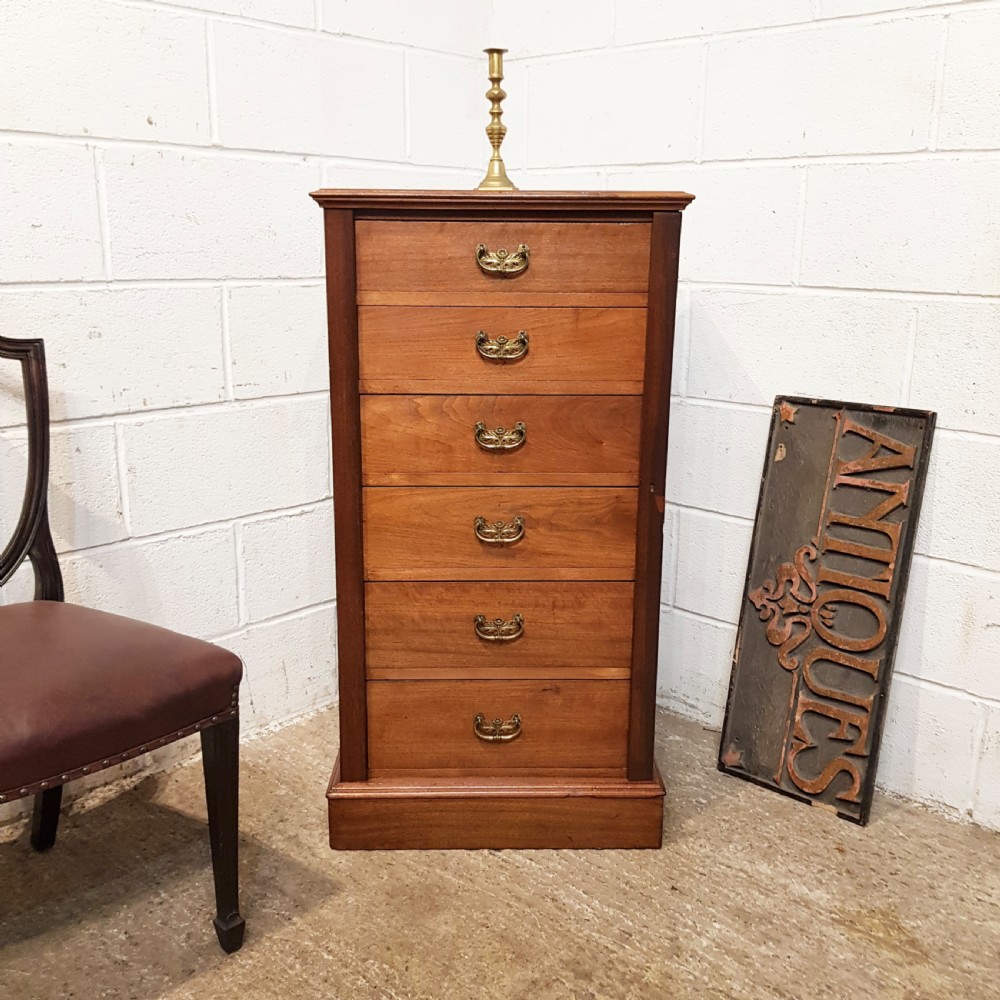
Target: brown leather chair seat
{"x": 81, "y": 690}
{"x": 78, "y": 685}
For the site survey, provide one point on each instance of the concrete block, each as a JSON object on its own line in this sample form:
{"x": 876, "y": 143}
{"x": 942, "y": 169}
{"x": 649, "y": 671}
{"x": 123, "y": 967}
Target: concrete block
{"x": 13, "y": 460}
{"x": 919, "y": 226}
{"x": 844, "y": 8}
{"x": 84, "y": 500}
{"x": 216, "y": 216}
{"x": 298, "y": 13}
{"x": 516, "y": 108}
{"x": 402, "y": 175}
{"x": 186, "y": 583}
{"x": 277, "y": 339}
{"x": 682, "y": 341}
{"x": 119, "y": 350}
{"x": 651, "y": 20}
{"x": 444, "y": 25}
{"x": 307, "y": 93}
{"x": 287, "y": 562}
{"x": 48, "y": 215}
{"x": 750, "y": 346}
{"x": 951, "y": 627}
{"x": 741, "y": 226}
{"x": 668, "y": 573}
{"x": 960, "y": 518}
{"x": 446, "y": 111}
{"x": 104, "y": 70}
{"x": 759, "y": 102}
{"x": 957, "y": 352}
{"x": 290, "y": 666}
{"x": 21, "y": 586}
{"x": 929, "y": 744}
{"x": 715, "y": 457}
{"x": 986, "y": 801}
{"x": 533, "y": 28}
{"x": 85, "y": 507}
{"x": 695, "y": 660}
{"x": 711, "y": 564}
{"x": 565, "y": 179}
{"x": 213, "y": 465}
{"x": 613, "y": 122}
{"x": 12, "y": 412}
{"x": 971, "y": 91}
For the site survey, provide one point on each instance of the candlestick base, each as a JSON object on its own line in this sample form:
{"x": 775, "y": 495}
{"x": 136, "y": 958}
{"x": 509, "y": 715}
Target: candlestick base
{"x": 496, "y": 178}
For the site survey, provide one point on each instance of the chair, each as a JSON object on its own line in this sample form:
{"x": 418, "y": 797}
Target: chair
{"x": 81, "y": 690}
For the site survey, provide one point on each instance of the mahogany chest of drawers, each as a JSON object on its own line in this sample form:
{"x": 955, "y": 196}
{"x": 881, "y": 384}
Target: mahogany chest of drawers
{"x": 500, "y": 379}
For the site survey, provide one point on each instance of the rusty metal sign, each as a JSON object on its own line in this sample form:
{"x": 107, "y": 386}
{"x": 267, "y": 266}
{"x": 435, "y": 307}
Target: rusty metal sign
{"x": 838, "y": 508}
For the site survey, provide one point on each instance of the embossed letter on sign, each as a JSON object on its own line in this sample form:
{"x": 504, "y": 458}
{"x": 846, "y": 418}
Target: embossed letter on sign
{"x": 837, "y": 513}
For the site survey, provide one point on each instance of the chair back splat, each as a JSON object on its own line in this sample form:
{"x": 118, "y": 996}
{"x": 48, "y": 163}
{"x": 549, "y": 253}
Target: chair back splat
{"x": 32, "y": 536}
{"x": 82, "y": 689}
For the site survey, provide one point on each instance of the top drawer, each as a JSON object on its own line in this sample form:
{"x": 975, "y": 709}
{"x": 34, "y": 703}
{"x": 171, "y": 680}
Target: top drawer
{"x": 572, "y": 263}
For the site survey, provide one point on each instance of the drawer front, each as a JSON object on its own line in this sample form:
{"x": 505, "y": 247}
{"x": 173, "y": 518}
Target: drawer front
{"x": 413, "y": 533}
{"x": 568, "y": 350}
{"x": 435, "y": 263}
{"x": 457, "y": 440}
{"x": 429, "y": 630}
{"x": 430, "y": 725}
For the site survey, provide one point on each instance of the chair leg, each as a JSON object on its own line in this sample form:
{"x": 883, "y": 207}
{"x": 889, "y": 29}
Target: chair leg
{"x": 45, "y": 819}
{"x": 220, "y": 757}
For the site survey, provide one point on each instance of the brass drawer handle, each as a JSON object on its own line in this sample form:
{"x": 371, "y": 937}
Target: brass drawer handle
{"x": 497, "y": 731}
{"x": 502, "y": 349}
{"x": 502, "y": 262}
{"x": 499, "y": 630}
{"x": 499, "y": 532}
{"x": 500, "y": 439}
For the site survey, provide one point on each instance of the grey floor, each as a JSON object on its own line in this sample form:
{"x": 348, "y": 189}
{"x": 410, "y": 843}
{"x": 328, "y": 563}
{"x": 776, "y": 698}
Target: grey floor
{"x": 752, "y": 895}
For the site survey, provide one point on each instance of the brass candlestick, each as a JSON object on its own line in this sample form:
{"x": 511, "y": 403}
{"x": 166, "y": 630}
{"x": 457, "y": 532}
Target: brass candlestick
{"x": 496, "y": 178}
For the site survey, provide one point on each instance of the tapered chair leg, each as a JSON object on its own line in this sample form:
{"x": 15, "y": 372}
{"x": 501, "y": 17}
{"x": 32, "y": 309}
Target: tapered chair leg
{"x": 220, "y": 749}
{"x": 45, "y": 819}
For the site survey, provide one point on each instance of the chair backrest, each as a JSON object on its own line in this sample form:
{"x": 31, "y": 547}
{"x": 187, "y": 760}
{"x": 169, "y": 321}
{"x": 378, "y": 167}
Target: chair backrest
{"x": 32, "y": 538}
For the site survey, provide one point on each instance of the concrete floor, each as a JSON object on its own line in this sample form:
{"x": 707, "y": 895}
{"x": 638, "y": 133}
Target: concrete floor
{"x": 752, "y": 895}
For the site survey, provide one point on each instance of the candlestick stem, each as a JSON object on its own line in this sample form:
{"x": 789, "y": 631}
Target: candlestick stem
{"x": 496, "y": 178}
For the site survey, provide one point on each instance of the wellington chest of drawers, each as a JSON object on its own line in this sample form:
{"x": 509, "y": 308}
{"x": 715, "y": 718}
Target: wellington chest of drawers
{"x": 500, "y": 379}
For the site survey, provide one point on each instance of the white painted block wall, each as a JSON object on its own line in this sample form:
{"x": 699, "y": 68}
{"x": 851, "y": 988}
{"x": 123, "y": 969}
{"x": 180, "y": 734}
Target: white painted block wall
{"x": 155, "y": 228}
{"x": 845, "y": 242}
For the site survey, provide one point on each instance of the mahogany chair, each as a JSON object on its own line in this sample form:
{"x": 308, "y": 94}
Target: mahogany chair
{"x": 81, "y": 690}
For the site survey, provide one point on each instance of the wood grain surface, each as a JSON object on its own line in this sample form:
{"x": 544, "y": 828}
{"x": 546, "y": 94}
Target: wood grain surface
{"x": 520, "y": 811}
{"x": 440, "y": 258}
{"x": 652, "y": 494}
{"x": 430, "y": 440}
{"x": 428, "y": 725}
{"x": 426, "y": 630}
{"x": 433, "y": 349}
{"x": 426, "y": 533}
{"x": 505, "y": 296}
{"x": 558, "y": 205}
{"x": 407, "y": 299}
{"x": 345, "y": 424}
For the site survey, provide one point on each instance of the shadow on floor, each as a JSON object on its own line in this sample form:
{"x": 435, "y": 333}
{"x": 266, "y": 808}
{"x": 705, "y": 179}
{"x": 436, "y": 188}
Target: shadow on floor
{"x": 144, "y": 869}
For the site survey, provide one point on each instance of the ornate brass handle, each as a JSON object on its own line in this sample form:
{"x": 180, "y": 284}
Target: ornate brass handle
{"x": 500, "y": 439}
{"x": 497, "y": 731}
{"x": 503, "y": 262}
{"x": 502, "y": 349}
{"x": 499, "y": 630}
{"x": 499, "y": 532}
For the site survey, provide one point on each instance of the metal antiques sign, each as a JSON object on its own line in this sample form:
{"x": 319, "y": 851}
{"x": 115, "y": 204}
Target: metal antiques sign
{"x": 839, "y": 501}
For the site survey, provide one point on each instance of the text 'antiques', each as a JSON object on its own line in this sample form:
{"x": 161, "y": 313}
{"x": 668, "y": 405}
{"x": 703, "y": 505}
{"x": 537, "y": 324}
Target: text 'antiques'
{"x": 838, "y": 507}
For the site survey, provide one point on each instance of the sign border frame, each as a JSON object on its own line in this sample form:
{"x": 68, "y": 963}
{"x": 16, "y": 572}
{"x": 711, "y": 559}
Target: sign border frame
{"x": 905, "y": 560}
